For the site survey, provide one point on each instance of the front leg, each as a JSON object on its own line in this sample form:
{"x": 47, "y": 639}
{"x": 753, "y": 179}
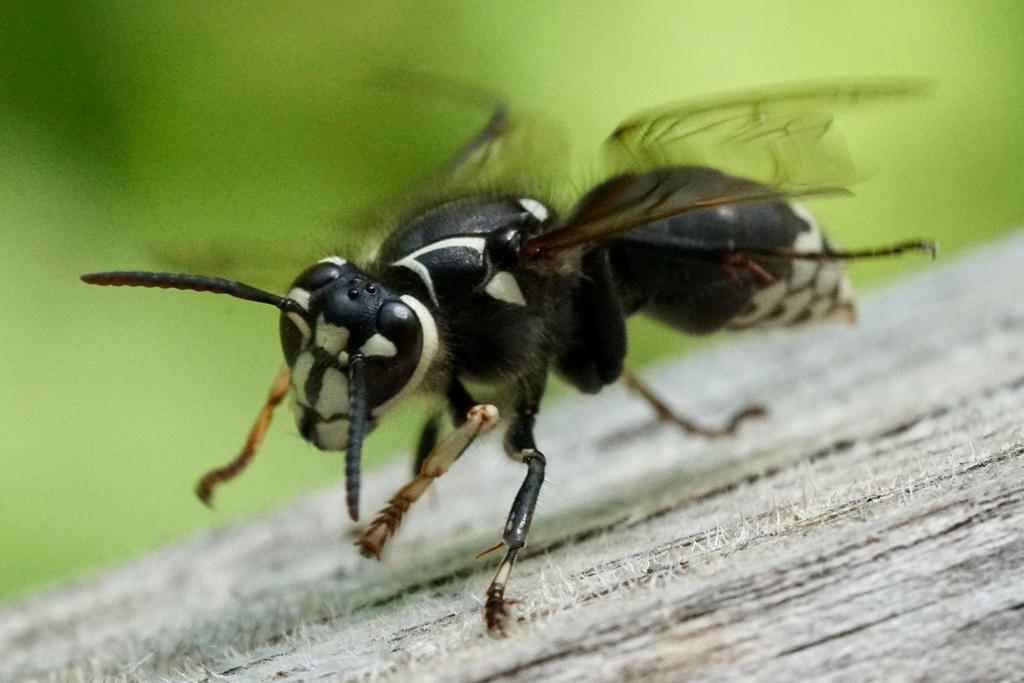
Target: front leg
{"x": 473, "y": 421}
{"x": 520, "y": 446}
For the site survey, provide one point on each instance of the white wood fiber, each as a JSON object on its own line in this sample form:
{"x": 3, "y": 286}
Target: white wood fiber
{"x": 870, "y": 528}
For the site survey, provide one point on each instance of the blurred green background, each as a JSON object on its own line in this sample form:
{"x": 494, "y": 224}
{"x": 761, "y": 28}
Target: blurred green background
{"x": 125, "y": 125}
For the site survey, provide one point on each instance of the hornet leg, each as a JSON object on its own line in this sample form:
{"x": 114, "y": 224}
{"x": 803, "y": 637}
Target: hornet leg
{"x": 520, "y": 445}
{"x": 666, "y": 414}
{"x": 474, "y": 422}
{"x": 252, "y": 443}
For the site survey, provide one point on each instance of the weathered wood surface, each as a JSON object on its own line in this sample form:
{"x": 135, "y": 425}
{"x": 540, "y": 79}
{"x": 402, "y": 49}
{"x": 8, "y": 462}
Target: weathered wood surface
{"x": 870, "y": 529}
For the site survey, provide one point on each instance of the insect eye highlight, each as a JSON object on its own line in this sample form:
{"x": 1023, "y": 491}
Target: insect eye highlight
{"x": 398, "y": 323}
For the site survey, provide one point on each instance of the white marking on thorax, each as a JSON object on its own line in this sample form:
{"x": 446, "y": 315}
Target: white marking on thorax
{"x": 503, "y": 287}
{"x": 379, "y": 345}
{"x": 331, "y": 338}
{"x": 336, "y": 260}
{"x": 538, "y": 210}
{"x": 477, "y": 244}
{"x": 431, "y": 344}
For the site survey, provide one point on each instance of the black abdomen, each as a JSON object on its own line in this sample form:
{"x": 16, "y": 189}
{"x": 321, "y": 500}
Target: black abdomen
{"x": 678, "y": 270}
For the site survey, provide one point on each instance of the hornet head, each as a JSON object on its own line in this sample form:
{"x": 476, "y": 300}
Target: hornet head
{"x": 354, "y": 348}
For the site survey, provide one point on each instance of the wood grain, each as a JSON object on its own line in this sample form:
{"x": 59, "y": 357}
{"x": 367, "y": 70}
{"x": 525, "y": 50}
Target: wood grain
{"x": 869, "y": 529}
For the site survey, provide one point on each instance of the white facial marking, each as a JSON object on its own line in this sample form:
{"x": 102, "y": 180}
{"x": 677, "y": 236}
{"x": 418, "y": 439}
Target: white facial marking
{"x": 503, "y": 287}
{"x": 477, "y": 244}
{"x": 539, "y": 211}
{"x": 299, "y": 296}
{"x": 332, "y": 436}
{"x": 298, "y": 412}
{"x": 330, "y": 338}
{"x": 300, "y": 323}
{"x": 300, "y": 373}
{"x": 379, "y": 345}
{"x": 333, "y": 399}
{"x": 336, "y": 260}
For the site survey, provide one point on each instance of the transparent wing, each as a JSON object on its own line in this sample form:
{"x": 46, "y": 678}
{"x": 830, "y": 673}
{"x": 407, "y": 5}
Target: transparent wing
{"x": 628, "y": 201}
{"x": 510, "y": 154}
{"x": 748, "y": 147}
{"x": 780, "y": 137}
{"x": 515, "y": 153}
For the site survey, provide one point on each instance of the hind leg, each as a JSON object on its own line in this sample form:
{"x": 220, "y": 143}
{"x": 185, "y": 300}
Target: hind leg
{"x": 666, "y": 414}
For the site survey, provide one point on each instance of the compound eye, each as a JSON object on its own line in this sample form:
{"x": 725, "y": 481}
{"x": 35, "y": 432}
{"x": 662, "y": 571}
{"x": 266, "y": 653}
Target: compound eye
{"x": 323, "y": 275}
{"x": 292, "y": 340}
{"x": 318, "y": 276}
{"x": 398, "y": 323}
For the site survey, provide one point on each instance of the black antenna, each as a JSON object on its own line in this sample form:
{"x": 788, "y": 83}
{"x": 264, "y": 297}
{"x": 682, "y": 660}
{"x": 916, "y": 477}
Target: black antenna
{"x": 927, "y": 246}
{"x": 195, "y": 283}
{"x": 358, "y": 412}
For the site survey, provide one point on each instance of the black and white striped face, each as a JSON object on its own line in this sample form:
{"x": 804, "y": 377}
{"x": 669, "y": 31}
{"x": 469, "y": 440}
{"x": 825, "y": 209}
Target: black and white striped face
{"x": 348, "y": 313}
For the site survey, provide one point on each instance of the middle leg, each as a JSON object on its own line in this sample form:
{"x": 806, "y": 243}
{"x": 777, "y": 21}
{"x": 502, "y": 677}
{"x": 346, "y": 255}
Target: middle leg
{"x": 520, "y": 445}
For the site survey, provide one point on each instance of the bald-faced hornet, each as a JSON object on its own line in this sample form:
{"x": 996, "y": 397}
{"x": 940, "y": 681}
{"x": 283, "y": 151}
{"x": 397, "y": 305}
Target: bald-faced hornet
{"x": 496, "y": 287}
